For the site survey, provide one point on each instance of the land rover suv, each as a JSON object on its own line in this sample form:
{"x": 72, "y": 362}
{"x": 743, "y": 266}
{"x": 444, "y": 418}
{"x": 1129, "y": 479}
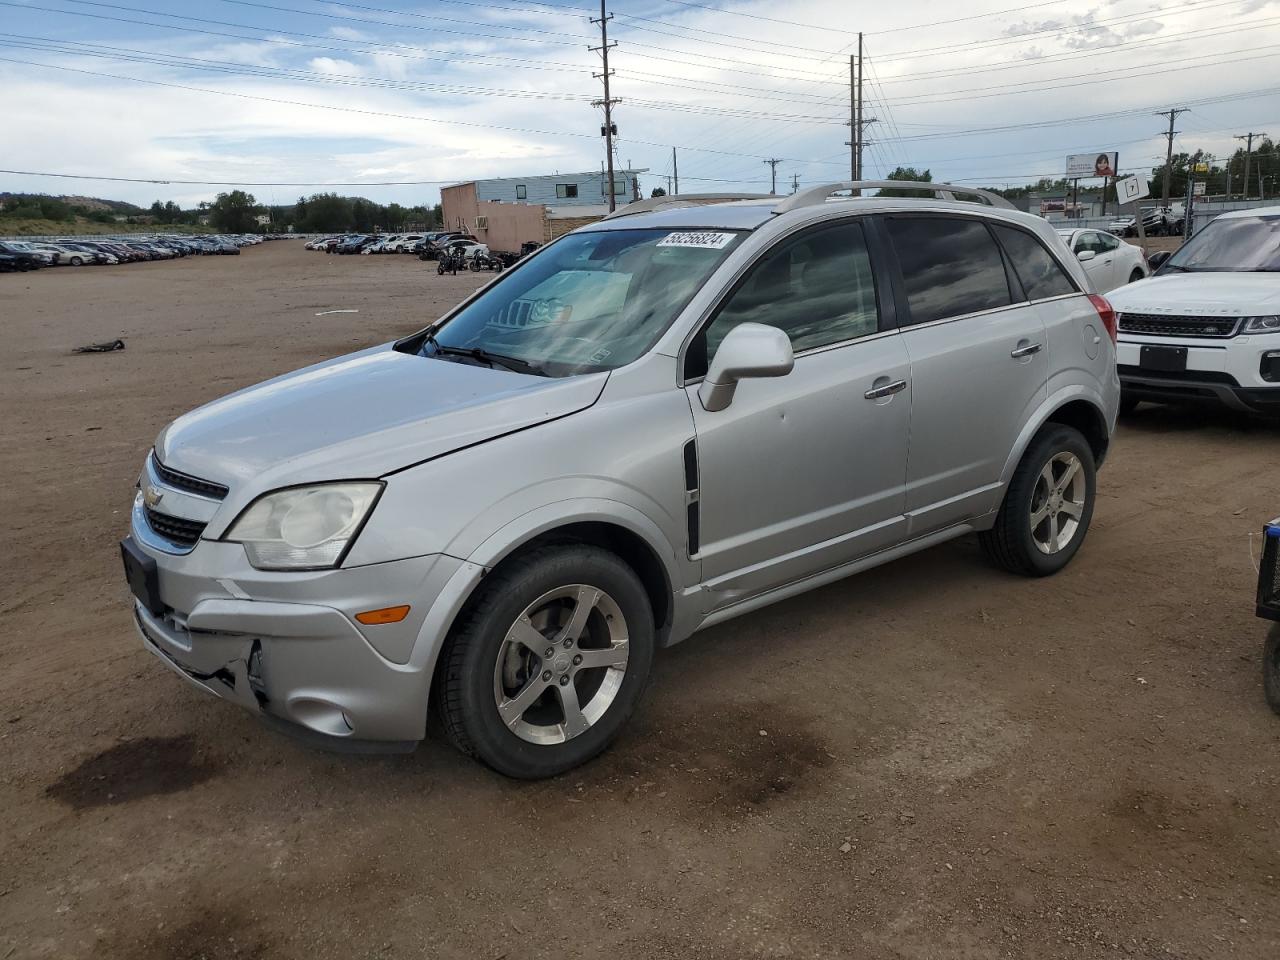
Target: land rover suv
{"x": 1206, "y": 326}
{"x": 656, "y": 423}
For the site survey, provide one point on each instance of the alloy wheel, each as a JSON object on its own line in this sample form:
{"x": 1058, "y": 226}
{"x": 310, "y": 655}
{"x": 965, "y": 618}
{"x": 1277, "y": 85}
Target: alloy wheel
{"x": 1057, "y": 503}
{"x": 561, "y": 665}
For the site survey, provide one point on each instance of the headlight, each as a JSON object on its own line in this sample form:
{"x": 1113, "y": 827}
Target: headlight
{"x": 304, "y": 527}
{"x": 1262, "y": 325}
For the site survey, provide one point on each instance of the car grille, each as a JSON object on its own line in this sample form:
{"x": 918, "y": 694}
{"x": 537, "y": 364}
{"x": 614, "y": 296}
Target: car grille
{"x": 183, "y": 481}
{"x": 177, "y": 530}
{"x": 1157, "y": 325}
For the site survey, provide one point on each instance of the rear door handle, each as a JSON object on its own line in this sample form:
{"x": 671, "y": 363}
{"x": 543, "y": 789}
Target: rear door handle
{"x": 886, "y": 390}
{"x": 1026, "y": 350}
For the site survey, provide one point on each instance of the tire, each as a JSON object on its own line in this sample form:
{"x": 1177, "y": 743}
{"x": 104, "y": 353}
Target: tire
{"x": 480, "y": 662}
{"x": 77, "y": 262}
{"x": 1128, "y": 403}
{"x": 440, "y": 269}
{"x": 1271, "y": 668}
{"x": 1136, "y": 276}
{"x": 475, "y": 264}
{"x": 1017, "y": 543}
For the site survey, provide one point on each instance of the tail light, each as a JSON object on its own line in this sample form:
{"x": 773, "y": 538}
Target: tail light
{"x": 1105, "y": 314}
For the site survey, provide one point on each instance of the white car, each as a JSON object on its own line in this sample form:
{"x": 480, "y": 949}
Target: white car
{"x": 1108, "y": 260}
{"x": 469, "y": 248}
{"x": 1207, "y": 325}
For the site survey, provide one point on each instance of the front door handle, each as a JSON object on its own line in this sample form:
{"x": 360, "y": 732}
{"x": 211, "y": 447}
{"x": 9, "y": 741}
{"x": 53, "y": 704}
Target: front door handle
{"x": 1025, "y": 350}
{"x": 886, "y": 390}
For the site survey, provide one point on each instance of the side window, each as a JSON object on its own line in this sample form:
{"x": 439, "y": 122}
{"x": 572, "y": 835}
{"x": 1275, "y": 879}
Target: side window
{"x": 950, "y": 266}
{"x": 1106, "y": 242}
{"x": 566, "y": 191}
{"x": 1041, "y": 275}
{"x": 1088, "y": 241}
{"x": 817, "y": 287}
{"x": 522, "y": 192}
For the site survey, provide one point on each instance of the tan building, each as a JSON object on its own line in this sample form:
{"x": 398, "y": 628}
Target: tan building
{"x": 510, "y": 212}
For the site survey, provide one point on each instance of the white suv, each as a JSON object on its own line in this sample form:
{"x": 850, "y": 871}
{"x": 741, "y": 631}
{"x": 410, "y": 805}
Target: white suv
{"x": 1206, "y": 326}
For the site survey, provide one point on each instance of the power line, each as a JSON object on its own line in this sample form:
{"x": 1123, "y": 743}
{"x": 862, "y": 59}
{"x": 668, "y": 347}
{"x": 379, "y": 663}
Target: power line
{"x": 360, "y": 111}
{"x": 125, "y": 54}
{"x": 230, "y": 183}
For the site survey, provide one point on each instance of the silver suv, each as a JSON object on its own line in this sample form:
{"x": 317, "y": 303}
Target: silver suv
{"x": 656, "y": 423}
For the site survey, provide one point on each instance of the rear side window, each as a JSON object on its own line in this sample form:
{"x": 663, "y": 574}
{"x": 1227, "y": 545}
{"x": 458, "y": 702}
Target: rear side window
{"x": 950, "y": 267}
{"x": 1041, "y": 275}
{"x": 816, "y": 287}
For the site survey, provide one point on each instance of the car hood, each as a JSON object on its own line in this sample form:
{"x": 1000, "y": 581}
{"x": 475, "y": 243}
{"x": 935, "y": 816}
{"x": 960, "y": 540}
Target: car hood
{"x": 361, "y": 416}
{"x": 1201, "y": 294}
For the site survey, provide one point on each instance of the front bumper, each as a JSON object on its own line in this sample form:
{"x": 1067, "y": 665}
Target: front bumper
{"x": 1225, "y": 371}
{"x": 286, "y": 646}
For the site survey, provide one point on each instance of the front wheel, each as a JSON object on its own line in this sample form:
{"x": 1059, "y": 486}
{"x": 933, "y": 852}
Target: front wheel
{"x": 1271, "y": 668}
{"x": 1047, "y": 507}
{"x": 548, "y": 661}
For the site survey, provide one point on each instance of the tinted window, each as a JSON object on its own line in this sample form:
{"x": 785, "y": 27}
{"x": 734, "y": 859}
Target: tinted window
{"x": 817, "y": 288}
{"x": 1040, "y": 273}
{"x": 1107, "y": 242}
{"x": 950, "y": 267}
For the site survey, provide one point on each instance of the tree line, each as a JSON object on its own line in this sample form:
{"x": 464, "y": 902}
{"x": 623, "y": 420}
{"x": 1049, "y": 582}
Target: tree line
{"x": 239, "y": 212}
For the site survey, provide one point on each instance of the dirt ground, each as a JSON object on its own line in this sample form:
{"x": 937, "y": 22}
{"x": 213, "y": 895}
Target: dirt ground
{"x": 931, "y": 760}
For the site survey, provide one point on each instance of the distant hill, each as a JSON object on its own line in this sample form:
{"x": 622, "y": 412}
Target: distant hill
{"x": 88, "y": 204}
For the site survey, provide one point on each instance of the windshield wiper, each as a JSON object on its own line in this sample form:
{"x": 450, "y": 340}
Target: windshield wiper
{"x": 485, "y": 356}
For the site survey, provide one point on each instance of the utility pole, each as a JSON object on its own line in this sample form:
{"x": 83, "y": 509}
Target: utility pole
{"x": 608, "y": 101}
{"x": 1248, "y": 154}
{"x": 1172, "y": 114}
{"x": 858, "y": 121}
{"x": 773, "y": 175}
{"x": 853, "y": 119}
{"x": 858, "y": 134}
{"x": 675, "y": 171}
{"x": 795, "y": 180}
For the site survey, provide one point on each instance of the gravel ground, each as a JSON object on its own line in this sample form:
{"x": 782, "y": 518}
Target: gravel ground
{"x": 931, "y": 760}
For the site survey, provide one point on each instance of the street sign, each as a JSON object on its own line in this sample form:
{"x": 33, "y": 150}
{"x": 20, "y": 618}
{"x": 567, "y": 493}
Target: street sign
{"x": 1130, "y": 189}
{"x": 1197, "y": 189}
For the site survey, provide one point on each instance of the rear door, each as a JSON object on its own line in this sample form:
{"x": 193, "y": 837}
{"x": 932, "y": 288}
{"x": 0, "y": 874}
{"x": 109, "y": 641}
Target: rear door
{"x": 978, "y": 363}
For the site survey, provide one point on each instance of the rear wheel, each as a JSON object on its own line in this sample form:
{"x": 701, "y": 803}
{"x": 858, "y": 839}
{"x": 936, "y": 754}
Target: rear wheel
{"x": 548, "y": 661}
{"x": 1271, "y": 668}
{"x": 76, "y": 261}
{"x": 1136, "y": 276}
{"x": 1048, "y": 506}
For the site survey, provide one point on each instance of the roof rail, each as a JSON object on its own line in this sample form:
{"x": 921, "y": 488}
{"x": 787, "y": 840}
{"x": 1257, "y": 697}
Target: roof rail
{"x": 944, "y": 191}
{"x": 653, "y": 203}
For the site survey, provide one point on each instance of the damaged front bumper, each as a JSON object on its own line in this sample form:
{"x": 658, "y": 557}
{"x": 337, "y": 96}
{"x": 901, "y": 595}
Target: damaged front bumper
{"x": 287, "y": 647}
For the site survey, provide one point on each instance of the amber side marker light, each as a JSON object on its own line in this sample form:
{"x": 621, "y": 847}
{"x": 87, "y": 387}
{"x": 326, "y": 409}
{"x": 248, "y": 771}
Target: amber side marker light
{"x": 385, "y": 615}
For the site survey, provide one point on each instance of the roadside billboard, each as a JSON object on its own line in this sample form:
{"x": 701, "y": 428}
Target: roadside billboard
{"x": 1081, "y": 165}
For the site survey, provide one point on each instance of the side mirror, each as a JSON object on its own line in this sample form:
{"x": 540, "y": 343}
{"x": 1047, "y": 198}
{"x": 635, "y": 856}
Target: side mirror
{"x": 1084, "y": 256}
{"x": 1157, "y": 260}
{"x": 749, "y": 350}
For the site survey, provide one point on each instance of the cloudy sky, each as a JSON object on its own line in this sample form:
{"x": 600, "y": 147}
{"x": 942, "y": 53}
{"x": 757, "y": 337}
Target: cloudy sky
{"x": 398, "y": 97}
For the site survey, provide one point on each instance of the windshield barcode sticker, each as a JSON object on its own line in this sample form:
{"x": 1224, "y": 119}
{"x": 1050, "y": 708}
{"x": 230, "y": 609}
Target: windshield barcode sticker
{"x": 708, "y": 241}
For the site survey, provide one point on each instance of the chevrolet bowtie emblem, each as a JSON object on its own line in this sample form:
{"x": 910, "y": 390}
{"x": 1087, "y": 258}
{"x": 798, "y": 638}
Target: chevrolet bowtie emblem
{"x": 152, "y": 496}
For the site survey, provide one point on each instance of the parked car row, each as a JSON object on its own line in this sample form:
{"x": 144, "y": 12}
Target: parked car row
{"x": 21, "y": 255}
{"x": 454, "y": 248}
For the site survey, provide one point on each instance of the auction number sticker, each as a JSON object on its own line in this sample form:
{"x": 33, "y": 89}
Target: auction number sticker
{"x": 707, "y": 241}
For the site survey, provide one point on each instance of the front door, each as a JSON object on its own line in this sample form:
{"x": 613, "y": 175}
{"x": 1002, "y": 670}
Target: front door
{"x": 803, "y": 472}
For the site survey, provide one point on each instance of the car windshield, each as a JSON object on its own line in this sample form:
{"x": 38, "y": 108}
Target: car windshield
{"x": 591, "y": 301}
{"x": 1236, "y": 244}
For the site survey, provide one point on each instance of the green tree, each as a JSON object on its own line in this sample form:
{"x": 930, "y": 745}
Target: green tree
{"x": 908, "y": 173}
{"x": 234, "y": 212}
{"x": 658, "y": 192}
